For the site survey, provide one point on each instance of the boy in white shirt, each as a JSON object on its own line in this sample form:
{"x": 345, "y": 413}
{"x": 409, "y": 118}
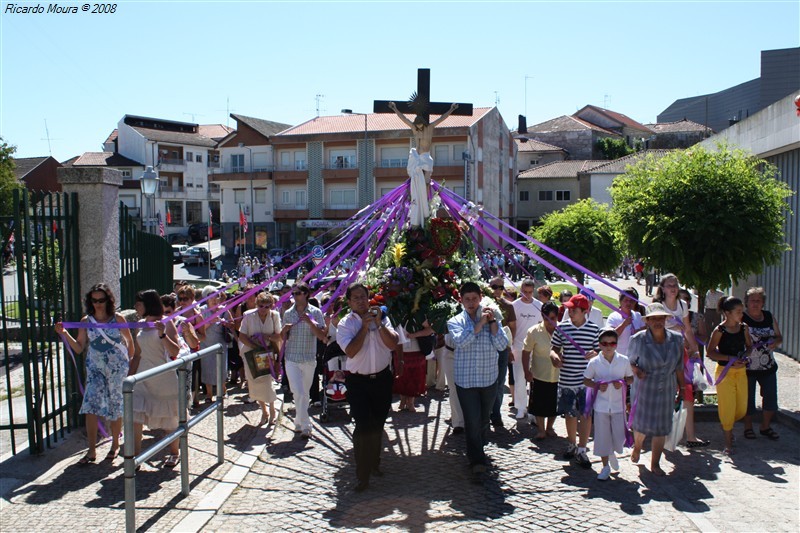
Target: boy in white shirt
{"x": 608, "y": 372}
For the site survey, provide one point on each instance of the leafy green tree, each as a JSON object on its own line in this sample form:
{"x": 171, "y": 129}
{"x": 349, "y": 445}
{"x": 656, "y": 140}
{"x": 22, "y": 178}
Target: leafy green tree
{"x": 708, "y": 216}
{"x": 613, "y": 148}
{"x": 8, "y": 181}
{"x": 584, "y": 232}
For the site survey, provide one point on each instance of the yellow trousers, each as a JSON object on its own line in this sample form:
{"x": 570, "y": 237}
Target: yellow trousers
{"x": 731, "y": 396}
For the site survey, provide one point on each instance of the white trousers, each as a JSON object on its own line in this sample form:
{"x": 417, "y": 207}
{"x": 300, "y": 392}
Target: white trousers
{"x": 520, "y": 392}
{"x": 449, "y": 366}
{"x": 300, "y": 377}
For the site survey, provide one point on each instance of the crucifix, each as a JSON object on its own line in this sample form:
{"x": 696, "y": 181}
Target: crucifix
{"x": 420, "y": 161}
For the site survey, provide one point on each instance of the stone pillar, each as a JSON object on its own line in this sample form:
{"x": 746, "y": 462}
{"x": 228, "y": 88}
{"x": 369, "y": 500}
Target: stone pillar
{"x": 98, "y": 224}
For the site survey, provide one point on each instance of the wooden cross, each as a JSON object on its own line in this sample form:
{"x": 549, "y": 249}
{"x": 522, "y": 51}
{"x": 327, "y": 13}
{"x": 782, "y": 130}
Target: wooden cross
{"x": 420, "y": 103}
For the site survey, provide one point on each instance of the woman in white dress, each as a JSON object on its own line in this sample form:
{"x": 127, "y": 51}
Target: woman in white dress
{"x": 155, "y": 401}
{"x": 259, "y": 326}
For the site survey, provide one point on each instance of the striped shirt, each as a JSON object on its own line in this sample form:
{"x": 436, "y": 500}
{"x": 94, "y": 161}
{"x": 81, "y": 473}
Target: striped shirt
{"x": 475, "y": 355}
{"x": 587, "y": 337}
{"x": 301, "y": 346}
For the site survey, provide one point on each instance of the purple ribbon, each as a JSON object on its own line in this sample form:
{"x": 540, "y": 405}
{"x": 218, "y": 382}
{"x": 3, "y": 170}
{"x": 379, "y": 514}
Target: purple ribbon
{"x": 591, "y": 396}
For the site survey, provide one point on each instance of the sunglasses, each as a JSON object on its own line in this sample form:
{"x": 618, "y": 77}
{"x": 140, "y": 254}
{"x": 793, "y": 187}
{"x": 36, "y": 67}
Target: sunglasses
{"x": 497, "y": 287}
{"x": 297, "y": 293}
{"x": 99, "y": 300}
{"x": 608, "y": 344}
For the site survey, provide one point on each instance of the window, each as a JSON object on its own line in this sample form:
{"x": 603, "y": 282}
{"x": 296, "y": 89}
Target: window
{"x": 198, "y": 158}
{"x": 285, "y": 160}
{"x": 175, "y": 210}
{"x": 237, "y": 162}
{"x": 285, "y": 197}
{"x": 534, "y": 161}
{"x": 524, "y": 196}
{"x": 194, "y": 212}
{"x": 342, "y": 159}
{"x": 562, "y": 196}
{"x": 300, "y": 160}
{"x": 441, "y": 155}
{"x": 396, "y": 157}
{"x": 238, "y": 196}
{"x": 126, "y": 173}
{"x": 545, "y": 196}
{"x": 458, "y": 152}
{"x": 260, "y": 162}
{"x": 261, "y": 196}
{"x": 300, "y": 199}
{"x": 189, "y": 156}
{"x": 343, "y": 198}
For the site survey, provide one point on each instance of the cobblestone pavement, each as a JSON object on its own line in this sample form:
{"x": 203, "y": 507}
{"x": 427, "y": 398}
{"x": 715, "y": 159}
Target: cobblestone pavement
{"x": 297, "y": 485}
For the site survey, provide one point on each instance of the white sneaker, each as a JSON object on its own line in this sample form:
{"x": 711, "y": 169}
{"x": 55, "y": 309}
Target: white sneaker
{"x": 613, "y": 462}
{"x": 604, "y": 474}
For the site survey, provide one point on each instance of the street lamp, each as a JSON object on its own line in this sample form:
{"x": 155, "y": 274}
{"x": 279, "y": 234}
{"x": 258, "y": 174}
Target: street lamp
{"x": 149, "y": 183}
{"x": 350, "y": 112}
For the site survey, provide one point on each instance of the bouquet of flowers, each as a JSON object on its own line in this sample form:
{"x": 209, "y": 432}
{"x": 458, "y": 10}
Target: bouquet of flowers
{"x": 418, "y": 276}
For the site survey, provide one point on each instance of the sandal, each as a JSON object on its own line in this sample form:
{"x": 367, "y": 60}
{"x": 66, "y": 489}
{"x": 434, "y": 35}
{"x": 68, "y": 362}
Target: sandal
{"x": 112, "y": 454}
{"x": 696, "y": 443}
{"x": 172, "y": 461}
{"x": 770, "y": 433}
{"x": 749, "y": 434}
{"x": 87, "y": 459}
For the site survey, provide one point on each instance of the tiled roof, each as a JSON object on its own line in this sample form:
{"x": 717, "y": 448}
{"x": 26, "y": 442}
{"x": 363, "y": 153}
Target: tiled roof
{"x": 560, "y": 169}
{"x": 619, "y": 117}
{"x": 267, "y": 128}
{"x": 678, "y": 126}
{"x": 376, "y": 122}
{"x": 112, "y": 136}
{"x": 618, "y": 166}
{"x": 104, "y": 159}
{"x": 176, "y": 137}
{"x": 567, "y": 123}
{"x": 532, "y": 145}
{"x": 23, "y": 165}
{"x": 214, "y": 131}
{"x": 70, "y": 161}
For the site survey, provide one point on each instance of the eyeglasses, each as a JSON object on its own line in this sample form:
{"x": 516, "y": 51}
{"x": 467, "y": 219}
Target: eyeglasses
{"x": 497, "y": 287}
{"x": 99, "y": 300}
{"x": 608, "y": 344}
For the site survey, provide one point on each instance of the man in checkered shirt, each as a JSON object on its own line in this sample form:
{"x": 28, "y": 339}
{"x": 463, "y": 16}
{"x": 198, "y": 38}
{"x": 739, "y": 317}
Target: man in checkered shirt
{"x": 477, "y": 337}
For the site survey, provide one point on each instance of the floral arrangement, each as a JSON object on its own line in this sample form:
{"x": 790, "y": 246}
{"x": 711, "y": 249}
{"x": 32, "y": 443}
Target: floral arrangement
{"x": 419, "y": 275}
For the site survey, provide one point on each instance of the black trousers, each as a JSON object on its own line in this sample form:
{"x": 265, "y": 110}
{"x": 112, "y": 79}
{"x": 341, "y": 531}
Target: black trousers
{"x": 370, "y": 399}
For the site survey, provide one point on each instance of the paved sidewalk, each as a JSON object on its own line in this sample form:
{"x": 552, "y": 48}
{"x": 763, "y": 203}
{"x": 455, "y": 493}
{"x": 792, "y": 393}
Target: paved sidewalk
{"x": 297, "y": 485}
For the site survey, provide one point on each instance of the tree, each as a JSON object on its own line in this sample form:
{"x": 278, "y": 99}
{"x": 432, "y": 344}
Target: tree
{"x": 582, "y": 231}
{"x": 8, "y": 181}
{"x": 707, "y": 216}
{"x": 613, "y": 148}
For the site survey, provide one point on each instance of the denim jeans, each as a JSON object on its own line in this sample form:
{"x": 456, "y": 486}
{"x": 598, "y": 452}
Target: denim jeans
{"x": 502, "y": 370}
{"x": 476, "y": 402}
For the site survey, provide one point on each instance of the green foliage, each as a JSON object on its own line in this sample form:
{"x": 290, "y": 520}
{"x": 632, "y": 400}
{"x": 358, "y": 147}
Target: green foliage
{"x": 47, "y": 271}
{"x": 8, "y": 181}
{"x": 585, "y": 233}
{"x": 706, "y": 216}
{"x": 613, "y": 147}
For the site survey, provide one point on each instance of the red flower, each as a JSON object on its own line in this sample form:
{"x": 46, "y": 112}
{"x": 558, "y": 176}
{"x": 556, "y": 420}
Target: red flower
{"x": 438, "y": 292}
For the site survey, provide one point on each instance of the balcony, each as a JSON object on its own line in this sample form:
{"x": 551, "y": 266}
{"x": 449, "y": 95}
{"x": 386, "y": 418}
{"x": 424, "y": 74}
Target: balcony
{"x": 291, "y": 212}
{"x": 171, "y": 161}
{"x": 172, "y": 191}
{"x": 284, "y": 173}
{"x": 239, "y": 174}
{"x": 338, "y": 212}
{"x": 213, "y": 164}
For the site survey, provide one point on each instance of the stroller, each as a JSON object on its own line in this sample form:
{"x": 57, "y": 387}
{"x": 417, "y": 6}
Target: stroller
{"x": 333, "y": 381}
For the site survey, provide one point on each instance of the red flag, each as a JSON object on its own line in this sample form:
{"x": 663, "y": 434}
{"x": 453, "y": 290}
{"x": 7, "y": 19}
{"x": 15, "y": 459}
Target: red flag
{"x": 242, "y": 220}
{"x": 210, "y": 221}
{"x": 169, "y": 217}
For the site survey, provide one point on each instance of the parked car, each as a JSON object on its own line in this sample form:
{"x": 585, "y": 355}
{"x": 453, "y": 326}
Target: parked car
{"x": 177, "y": 238}
{"x": 177, "y": 252}
{"x": 199, "y": 232}
{"x": 196, "y": 256}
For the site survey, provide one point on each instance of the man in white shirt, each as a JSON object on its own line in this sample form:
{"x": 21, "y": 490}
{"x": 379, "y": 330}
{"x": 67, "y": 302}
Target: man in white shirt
{"x": 528, "y": 311}
{"x": 595, "y": 315}
{"x": 368, "y": 338}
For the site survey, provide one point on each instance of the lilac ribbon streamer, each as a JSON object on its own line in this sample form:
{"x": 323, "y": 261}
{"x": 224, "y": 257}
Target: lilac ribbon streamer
{"x": 591, "y": 396}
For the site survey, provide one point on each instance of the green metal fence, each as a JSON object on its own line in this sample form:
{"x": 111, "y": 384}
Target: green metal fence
{"x": 145, "y": 260}
{"x": 44, "y": 285}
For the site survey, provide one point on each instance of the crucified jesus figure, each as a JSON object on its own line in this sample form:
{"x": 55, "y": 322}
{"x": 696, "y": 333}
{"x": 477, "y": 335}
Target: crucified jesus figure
{"x": 420, "y": 162}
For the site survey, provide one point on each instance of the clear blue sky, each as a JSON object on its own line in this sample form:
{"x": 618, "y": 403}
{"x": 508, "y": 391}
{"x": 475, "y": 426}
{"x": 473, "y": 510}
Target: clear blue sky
{"x": 81, "y": 73}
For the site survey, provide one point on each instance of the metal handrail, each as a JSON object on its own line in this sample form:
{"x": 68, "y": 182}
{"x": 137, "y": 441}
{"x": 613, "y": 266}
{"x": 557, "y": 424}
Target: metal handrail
{"x": 182, "y": 365}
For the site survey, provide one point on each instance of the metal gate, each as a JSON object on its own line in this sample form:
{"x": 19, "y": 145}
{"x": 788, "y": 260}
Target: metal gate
{"x": 39, "y": 394}
{"x": 145, "y": 260}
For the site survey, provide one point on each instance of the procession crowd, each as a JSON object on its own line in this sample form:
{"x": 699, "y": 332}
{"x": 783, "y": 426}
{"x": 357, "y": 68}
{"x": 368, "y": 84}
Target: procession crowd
{"x": 622, "y": 376}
